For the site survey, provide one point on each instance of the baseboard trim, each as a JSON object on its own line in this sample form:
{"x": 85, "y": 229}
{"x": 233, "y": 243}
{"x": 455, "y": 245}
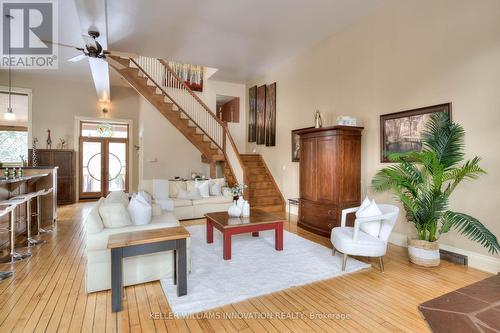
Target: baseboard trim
{"x": 476, "y": 260}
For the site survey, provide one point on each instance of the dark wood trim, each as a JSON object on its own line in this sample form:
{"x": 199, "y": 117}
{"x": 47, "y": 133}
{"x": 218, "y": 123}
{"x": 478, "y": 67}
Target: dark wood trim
{"x": 104, "y": 165}
{"x": 13, "y": 128}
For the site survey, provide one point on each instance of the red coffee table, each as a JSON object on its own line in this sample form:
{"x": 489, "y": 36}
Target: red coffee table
{"x": 229, "y": 226}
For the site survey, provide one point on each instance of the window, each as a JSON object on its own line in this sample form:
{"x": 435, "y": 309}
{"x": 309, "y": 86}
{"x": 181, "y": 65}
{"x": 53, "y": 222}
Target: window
{"x": 14, "y": 133}
{"x": 13, "y": 145}
{"x": 104, "y": 130}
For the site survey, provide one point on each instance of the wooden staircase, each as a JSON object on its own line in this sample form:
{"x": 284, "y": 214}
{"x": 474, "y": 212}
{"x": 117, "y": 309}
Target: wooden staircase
{"x": 145, "y": 85}
{"x": 158, "y": 83}
{"x": 262, "y": 192}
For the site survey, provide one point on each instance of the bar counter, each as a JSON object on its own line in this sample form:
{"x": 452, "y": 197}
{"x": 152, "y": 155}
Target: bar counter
{"x": 34, "y": 179}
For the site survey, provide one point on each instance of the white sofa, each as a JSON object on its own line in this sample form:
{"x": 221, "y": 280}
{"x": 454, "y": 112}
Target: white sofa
{"x": 136, "y": 270}
{"x": 185, "y": 209}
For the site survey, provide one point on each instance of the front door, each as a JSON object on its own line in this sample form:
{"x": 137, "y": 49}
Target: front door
{"x": 103, "y": 160}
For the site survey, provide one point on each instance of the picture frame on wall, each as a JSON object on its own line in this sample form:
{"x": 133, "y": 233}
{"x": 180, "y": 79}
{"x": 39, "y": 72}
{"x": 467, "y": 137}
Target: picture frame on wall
{"x": 261, "y": 116}
{"x": 252, "y": 119}
{"x": 401, "y": 132}
{"x": 270, "y": 122}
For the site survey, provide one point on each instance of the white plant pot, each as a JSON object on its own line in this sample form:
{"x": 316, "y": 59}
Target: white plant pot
{"x": 234, "y": 210}
{"x": 423, "y": 253}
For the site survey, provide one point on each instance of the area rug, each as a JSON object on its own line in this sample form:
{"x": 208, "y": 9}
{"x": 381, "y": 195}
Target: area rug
{"x": 475, "y": 308}
{"x": 255, "y": 269}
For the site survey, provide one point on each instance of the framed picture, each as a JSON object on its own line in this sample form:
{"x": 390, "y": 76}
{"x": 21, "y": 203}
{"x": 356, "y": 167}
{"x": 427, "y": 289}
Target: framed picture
{"x": 252, "y": 100}
{"x": 296, "y": 144}
{"x": 270, "y": 122}
{"x": 401, "y": 132}
{"x": 261, "y": 116}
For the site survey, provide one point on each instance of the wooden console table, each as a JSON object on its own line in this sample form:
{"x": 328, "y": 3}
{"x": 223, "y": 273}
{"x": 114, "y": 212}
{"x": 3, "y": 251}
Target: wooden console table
{"x": 144, "y": 242}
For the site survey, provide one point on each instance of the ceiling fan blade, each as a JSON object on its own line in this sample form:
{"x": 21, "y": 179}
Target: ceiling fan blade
{"x": 89, "y": 41}
{"x": 120, "y": 54}
{"x": 61, "y": 44}
{"x": 77, "y": 58}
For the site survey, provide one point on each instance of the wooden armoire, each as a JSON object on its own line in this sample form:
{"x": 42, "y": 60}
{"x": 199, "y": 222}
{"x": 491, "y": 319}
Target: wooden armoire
{"x": 330, "y": 175}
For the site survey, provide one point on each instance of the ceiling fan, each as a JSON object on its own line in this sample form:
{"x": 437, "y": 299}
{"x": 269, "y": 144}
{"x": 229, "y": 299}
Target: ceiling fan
{"x": 92, "y": 48}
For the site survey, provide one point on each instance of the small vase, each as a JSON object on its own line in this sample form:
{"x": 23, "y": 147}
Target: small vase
{"x": 234, "y": 210}
{"x": 240, "y": 203}
{"x": 423, "y": 253}
{"x": 246, "y": 209}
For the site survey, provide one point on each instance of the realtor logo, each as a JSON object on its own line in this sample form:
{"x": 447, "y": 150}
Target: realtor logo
{"x": 26, "y": 26}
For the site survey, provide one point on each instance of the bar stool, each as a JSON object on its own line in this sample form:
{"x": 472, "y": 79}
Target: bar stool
{"x": 13, "y": 256}
{"x": 39, "y": 211}
{"x": 5, "y": 211}
{"x": 28, "y": 197}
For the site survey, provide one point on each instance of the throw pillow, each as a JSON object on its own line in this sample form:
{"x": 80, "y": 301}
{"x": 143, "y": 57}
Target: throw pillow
{"x": 203, "y": 188}
{"x": 226, "y": 191}
{"x": 140, "y": 210}
{"x": 215, "y": 189}
{"x": 364, "y": 204}
{"x": 190, "y": 185}
{"x": 118, "y": 197}
{"x": 114, "y": 215}
{"x": 371, "y": 228}
{"x": 160, "y": 188}
{"x": 93, "y": 223}
{"x": 174, "y": 186}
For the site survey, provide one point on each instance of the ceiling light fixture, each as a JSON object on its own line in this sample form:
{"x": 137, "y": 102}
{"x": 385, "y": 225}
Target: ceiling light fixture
{"x": 9, "y": 115}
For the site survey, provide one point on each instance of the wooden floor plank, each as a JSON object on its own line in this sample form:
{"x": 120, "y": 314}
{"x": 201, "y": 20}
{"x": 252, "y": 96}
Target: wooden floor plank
{"x": 47, "y": 294}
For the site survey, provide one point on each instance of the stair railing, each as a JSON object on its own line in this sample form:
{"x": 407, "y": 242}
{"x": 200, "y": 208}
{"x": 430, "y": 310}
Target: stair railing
{"x": 178, "y": 92}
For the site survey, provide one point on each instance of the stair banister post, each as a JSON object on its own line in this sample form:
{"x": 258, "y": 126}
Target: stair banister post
{"x": 224, "y": 138}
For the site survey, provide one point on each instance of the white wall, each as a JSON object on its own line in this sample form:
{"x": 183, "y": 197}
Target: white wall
{"x": 56, "y": 103}
{"x": 212, "y": 89}
{"x": 407, "y": 54}
{"x": 173, "y": 153}
{"x": 164, "y": 151}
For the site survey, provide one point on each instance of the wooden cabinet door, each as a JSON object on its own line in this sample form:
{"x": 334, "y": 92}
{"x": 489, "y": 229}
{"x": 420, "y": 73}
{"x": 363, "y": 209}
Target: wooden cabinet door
{"x": 350, "y": 183}
{"x": 64, "y": 160}
{"x": 45, "y": 158}
{"x": 65, "y": 190}
{"x": 326, "y": 169}
{"x": 307, "y": 168}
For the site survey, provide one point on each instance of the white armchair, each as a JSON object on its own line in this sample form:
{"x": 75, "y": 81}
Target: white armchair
{"x": 356, "y": 242}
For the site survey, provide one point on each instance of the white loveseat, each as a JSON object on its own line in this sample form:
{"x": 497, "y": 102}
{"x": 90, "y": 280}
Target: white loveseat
{"x": 185, "y": 209}
{"x": 136, "y": 270}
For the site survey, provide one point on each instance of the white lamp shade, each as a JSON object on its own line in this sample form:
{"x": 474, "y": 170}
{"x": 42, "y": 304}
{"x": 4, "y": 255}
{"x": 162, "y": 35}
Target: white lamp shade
{"x": 9, "y": 116}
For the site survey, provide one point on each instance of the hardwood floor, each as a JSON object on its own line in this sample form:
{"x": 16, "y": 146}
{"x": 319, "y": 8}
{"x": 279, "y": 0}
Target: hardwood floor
{"x": 47, "y": 294}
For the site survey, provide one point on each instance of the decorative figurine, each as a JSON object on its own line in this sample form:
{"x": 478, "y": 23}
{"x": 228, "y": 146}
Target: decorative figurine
{"x": 318, "y": 118}
{"x": 49, "y": 140}
{"x": 62, "y": 143}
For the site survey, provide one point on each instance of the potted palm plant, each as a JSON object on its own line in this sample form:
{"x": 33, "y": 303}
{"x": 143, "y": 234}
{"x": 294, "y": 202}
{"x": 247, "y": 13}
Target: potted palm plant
{"x": 424, "y": 181}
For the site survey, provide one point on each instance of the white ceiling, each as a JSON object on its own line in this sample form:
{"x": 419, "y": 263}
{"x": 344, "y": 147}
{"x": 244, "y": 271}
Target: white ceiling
{"x": 241, "y": 38}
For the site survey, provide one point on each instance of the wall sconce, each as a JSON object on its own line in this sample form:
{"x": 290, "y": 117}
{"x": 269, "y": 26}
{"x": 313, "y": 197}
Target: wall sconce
{"x": 105, "y": 107}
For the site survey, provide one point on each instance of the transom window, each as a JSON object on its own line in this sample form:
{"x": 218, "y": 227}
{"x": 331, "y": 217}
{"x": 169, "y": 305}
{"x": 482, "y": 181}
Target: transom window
{"x": 104, "y": 130}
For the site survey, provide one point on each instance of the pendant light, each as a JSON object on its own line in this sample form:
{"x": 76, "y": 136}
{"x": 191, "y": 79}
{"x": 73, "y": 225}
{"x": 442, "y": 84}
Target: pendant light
{"x": 9, "y": 115}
